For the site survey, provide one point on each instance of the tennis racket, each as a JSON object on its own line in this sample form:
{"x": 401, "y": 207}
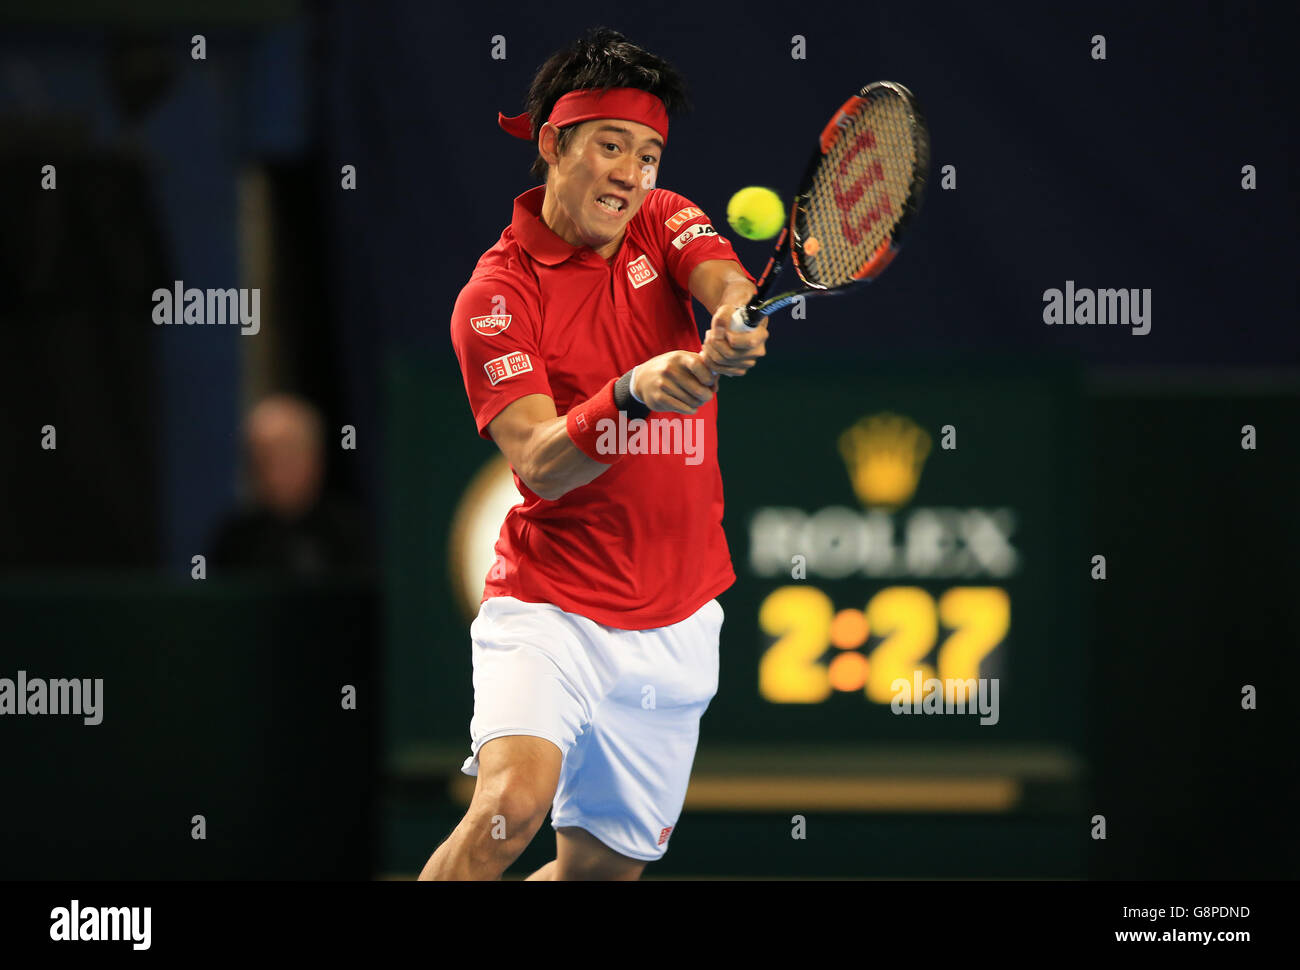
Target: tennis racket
{"x": 862, "y": 187}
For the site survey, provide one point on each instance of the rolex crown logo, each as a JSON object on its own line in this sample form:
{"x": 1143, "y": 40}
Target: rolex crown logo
{"x": 884, "y": 454}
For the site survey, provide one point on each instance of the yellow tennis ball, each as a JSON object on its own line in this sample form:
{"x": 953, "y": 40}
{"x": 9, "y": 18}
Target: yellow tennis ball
{"x": 756, "y": 212}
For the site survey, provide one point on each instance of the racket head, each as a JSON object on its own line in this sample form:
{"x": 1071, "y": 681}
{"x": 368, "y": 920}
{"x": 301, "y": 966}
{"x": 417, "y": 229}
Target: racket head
{"x": 862, "y": 188}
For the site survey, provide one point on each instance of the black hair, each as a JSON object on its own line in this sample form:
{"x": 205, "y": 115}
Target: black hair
{"x": 601, "y": 58}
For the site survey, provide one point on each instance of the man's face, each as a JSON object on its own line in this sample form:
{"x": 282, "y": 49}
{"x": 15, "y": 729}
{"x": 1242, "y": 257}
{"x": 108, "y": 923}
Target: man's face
{"x": 601, "y": 180}
{"x": 287, "y": 466}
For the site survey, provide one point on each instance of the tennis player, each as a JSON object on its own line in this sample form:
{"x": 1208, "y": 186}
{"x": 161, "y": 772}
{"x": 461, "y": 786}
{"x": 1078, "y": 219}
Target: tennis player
{"x": 595, "y": 648}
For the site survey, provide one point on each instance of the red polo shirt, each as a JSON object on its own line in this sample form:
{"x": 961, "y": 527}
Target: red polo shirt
{"x": 642, "y": 545}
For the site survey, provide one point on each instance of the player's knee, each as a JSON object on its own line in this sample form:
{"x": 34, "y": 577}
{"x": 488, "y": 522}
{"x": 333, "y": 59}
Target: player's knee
{"x": 514, "y": 814}
{"x": 510, "y": 808}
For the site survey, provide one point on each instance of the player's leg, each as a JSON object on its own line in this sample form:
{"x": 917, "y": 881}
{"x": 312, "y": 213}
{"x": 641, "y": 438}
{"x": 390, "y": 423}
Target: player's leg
{"x": 624, "y": 784}
{"x": 516, "y": 783}
{"x": 544, "y": 874}
{"x": 580, "y": 855}
{"x": 531, "y": 688}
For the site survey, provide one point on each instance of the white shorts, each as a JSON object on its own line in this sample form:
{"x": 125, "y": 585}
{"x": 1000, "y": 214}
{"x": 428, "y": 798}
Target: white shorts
{"x": 623, "y": 706}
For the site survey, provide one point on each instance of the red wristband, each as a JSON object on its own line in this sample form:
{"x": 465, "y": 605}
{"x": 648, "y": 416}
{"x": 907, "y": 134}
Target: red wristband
{"x": 584, "y": 423}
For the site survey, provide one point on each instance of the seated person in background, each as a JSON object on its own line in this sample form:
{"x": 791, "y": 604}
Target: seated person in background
{"x": 291, "y": 528}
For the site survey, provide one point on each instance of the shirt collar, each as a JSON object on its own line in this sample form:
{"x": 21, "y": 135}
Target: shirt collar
{"x": 534, "y": 235}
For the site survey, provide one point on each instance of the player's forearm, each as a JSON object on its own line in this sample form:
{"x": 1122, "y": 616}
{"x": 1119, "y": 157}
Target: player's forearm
{"x": 737, "y": 293}
{"x": 718, "y": 282}
{"x": 554, "y": 455}
{"x": 553, "y": 464}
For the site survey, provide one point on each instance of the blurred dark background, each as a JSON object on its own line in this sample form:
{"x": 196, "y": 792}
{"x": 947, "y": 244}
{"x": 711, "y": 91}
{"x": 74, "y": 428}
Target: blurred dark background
{"x": 222, "y": 694}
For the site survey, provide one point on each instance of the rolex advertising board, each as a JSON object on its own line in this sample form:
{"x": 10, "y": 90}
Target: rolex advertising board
{"x": 904, "y": 547}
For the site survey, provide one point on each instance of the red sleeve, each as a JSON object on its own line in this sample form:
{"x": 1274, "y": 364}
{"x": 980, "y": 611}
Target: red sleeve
{"x": 688, "y": 236}
{"x": 496, "y": 331}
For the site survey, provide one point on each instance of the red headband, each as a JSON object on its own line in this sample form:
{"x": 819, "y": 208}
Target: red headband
{"x": 629, "y": 104}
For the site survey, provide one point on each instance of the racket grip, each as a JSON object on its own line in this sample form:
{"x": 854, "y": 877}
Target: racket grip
{"x": 740, "y": 320}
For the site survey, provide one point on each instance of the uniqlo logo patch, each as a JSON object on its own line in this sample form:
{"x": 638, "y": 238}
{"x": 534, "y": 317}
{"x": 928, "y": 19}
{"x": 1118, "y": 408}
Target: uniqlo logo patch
{"x": 580, "y": 419}
{"x": 510, "y": 365}
{"x": 697, "y": 230}
{"x": 490, "y": 326}
{"x": 640, "y": 272}
{"x": 663, "y": 836}
{"x": 682, "y": 217}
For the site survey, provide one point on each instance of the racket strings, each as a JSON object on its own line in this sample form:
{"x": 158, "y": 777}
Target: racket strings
{"x": 861, "y": 190}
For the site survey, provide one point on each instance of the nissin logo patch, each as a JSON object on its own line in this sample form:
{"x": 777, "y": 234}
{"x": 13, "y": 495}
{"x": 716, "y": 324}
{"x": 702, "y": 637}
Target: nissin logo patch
{"x": 490, "y": 326}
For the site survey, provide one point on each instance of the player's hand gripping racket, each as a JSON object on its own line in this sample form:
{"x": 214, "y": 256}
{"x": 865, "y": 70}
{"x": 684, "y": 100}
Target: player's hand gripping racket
{"x": 861, "y": 189}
